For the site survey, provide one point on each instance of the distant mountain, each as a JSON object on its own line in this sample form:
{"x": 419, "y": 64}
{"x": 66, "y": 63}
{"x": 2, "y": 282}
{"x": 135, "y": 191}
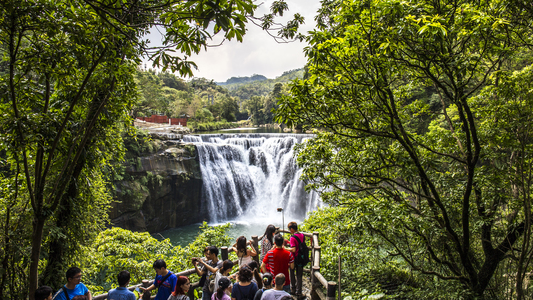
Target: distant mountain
{"x": 260, "y": 87}
{"x": 232, "y": 80}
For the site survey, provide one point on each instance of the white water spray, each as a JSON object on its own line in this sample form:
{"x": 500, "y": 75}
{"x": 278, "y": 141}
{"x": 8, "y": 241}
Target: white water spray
{"x": 246, "y": 177}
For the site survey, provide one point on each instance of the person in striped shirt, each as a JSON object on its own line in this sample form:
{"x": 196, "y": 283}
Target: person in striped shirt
{"x": 278, "y": 260}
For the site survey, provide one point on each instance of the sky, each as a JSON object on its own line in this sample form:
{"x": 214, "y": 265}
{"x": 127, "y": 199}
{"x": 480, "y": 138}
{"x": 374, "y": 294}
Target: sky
{"x": 259, "y": 53}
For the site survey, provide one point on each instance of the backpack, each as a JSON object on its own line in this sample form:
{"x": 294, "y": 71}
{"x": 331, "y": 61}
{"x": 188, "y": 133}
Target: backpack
{"x": 302, "y": 258}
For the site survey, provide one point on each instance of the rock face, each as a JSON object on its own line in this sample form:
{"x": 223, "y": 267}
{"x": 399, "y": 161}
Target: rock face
{"x": 159, "y": 191}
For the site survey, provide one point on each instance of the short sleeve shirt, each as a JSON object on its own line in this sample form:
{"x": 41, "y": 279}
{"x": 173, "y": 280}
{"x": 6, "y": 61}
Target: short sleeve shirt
{"x": 120, "y": 293}
{"x": 224, "y": 297}
{"x": 273, "y": 294}
{"x": 277, "y": 261}
{"x": 80, "y": 289}
{"x": 240, "y": 292}
{"x": 294, "y": 242}
{"x": 210, "y": 274}
{"x": 164, "y": 289}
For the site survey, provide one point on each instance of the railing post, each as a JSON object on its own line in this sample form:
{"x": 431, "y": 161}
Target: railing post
{"x": 224, "y": 252}
{"x": 332, "y": 290}
{"x": 316, "y": 259}
{"x": 255, "y": 244}
{"x": 314, "y": 282}
{"x": 146, "y": 295}
{"x": 192, "y": 289}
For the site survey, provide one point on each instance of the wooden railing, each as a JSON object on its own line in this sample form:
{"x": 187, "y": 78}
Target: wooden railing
{"x": 316, "y": 279}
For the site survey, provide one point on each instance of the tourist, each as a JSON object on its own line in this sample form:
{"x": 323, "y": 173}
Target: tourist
{"x": 227, "y": 266}
{"x": 254, "y": 267}
{"x": 208, "y": 269}
{"x": 122, "y": 293}
{"x": 43, "y": 293}
{"x": 278, "y": 291}
{"x": 295, "y": 240}
{"x": 244, "y": 289}
{"x": 243, "y": 252}
{"x": 278, "y": 260}
{"x": 165, "y": 281}
{"x": 224, "y": 289}
{"x": 268, "y": 240}
{"x": 182, "y": 288}
{"x": 267, "y": 284}
{"x": 73, "y": 287}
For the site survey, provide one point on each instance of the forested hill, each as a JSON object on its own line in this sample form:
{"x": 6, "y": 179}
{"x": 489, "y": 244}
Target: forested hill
{"x": 234, "y": 80}
{"x": 246, "y": 87}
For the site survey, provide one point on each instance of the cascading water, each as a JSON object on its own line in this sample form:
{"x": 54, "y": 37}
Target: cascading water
{"x": 248, "y": 176}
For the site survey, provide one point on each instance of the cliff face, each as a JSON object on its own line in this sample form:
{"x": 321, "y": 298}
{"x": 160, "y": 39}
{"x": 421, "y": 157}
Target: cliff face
{"x": 159, "y": 190}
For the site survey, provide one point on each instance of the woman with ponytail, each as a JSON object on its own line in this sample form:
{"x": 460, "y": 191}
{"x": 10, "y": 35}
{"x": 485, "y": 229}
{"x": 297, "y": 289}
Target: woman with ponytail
{"x": 267, "y": 284}
{"x": 223, "y": 290}
{"x": 182, "y": 288}
{"x": 227, "y": 265}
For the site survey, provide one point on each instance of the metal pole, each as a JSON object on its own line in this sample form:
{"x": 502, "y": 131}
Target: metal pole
{"x": 339, "y": 285}
{"x": 280, "y": 209}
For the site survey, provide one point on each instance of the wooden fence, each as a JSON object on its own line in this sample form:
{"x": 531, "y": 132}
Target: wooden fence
{"x": 164, "y": 120}
{"x": 316, "y": 279}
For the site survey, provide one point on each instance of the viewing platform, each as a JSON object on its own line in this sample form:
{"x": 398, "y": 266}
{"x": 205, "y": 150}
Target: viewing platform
{"x": 315, "y": 286}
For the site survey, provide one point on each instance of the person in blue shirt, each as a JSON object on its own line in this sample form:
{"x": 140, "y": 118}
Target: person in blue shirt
{"x": 74, "y": 287}
{"x": 121, "y": 293}
{"x": 165, "y": 281}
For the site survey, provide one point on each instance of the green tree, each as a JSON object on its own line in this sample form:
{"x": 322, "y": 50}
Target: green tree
{"x": 203, "y": 115}
{"x": 67, "y": 89}
{"x": 453, "y": 199}
{"x": 254, "y": 107}
{"x": 229, "y": 108}
{"x": 170, "y": 80}
{"x": 151, "y": 98}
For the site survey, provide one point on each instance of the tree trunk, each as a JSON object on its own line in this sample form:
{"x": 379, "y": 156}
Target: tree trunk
{"x": 38, "y": 226}
{"x": 58, "y": 247}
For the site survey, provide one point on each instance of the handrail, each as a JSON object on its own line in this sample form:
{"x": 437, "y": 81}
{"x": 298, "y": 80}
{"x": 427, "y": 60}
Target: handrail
{"x": 317, "y": 279}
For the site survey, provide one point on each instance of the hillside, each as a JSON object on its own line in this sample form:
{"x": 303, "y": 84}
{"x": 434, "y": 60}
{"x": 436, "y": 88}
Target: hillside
{"x": 242, "y": 80}
{"x": 247, "y": 87}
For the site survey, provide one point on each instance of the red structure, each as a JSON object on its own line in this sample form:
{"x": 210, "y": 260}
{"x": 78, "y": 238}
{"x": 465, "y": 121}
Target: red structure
{"x": 164, "y": 119}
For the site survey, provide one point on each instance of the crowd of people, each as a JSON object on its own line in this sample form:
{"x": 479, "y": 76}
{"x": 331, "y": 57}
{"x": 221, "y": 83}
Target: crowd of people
{"x": 277, "y": 278}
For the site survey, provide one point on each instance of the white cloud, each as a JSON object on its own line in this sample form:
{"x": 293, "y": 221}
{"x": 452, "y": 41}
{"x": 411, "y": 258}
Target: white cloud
{"x": 259, "y": 53}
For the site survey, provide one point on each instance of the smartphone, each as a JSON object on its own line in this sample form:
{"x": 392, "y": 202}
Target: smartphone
{"x": 138, "y": 290}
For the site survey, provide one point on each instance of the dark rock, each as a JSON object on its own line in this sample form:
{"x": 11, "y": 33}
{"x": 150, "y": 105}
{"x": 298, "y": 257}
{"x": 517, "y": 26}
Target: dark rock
{"x": 163, "y": 191}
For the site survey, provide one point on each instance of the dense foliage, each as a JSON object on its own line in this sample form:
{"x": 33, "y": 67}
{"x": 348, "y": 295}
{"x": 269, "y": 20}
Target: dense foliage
{"x": 446, "y": 186}
{"x": 200, "y": 99}
{"x": 118, "y": 249}
{"x": 208, "y": 105}
{"x": 67, "y": 88}
{"x": 368, "y": 271}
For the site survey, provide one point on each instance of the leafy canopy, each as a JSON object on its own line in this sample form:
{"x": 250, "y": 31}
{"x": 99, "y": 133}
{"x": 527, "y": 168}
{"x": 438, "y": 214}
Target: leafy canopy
{"x": 450, "y": 196}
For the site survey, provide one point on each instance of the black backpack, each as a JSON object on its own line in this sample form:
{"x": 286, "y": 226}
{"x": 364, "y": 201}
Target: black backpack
{"x": 302, "y": 258}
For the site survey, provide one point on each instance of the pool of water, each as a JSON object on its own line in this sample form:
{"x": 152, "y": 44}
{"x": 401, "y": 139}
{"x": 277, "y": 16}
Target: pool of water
{"x": 184, "y": 235}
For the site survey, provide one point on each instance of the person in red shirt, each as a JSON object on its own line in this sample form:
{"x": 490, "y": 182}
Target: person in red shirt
{"x": 278, "y": 260}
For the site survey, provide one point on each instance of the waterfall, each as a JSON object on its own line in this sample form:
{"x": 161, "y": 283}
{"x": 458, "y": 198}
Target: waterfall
{"x": 248, "y": 176}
